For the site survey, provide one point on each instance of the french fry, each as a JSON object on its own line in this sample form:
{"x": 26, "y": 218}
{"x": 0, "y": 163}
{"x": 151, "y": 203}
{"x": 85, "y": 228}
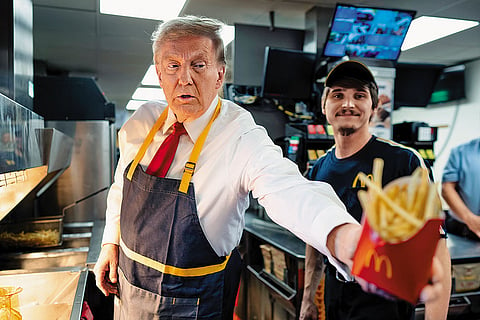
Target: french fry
{"x": 421, "y": 194}
{"x": 382, "y": 209}
{"x": 430, "y": 206}
{"x": 412, "y": 188}
{"x": 377, "y": 171}
{"x": 363, "y": 198}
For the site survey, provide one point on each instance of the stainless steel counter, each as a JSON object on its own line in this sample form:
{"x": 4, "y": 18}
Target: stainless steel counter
{"x": 463, "y": 250}
{"x": 48, "y": 293}
{"x": 95, "y": 243}
{"x": 54, "y": 281}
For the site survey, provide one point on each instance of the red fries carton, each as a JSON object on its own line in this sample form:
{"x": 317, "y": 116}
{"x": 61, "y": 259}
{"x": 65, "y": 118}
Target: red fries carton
{"x": 401, "y": 269}
{"x": 401, "y": 229}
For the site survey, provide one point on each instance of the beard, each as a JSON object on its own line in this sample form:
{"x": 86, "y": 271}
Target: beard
{"x": 346, "y": 131}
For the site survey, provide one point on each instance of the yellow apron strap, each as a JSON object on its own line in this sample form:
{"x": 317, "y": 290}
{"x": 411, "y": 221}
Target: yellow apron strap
{"x": 180, "y": 272}
{"x": 146, "y": 143}
{"x": 192, "y": 162}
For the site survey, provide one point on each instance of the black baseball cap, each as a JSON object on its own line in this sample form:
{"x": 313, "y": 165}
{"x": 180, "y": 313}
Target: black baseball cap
{"x": 352, "y": 69}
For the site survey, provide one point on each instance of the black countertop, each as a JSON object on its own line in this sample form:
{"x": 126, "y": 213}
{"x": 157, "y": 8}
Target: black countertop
{"x": 275, "y": 235}
{"x": 462, "y": 250}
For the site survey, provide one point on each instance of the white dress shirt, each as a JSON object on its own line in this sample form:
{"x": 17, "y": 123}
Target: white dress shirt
{"x": 238, "y": 157}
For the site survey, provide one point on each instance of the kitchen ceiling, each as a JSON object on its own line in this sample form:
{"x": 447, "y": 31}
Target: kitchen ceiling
{"x": 72, "y": 37}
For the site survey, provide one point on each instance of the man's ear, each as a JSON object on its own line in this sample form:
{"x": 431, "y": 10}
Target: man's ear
{"x": 323, "y": 100}
{"x": 159, "y": 73}
{"x": 374, "y": 111}
{"x": 220, "y": 76}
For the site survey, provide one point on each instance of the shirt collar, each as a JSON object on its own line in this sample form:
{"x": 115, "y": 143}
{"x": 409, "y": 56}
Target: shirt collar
{"x": 194, "y": 128}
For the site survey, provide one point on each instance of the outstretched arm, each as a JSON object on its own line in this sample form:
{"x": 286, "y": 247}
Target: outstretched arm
{"x": 106, "y": 273}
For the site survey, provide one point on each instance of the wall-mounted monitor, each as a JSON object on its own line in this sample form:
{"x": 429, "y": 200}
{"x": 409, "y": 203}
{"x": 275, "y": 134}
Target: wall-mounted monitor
{"x": 367, "y": 32}
{"x": 249, "y": 50}
{"x": 450, "y": 85}
{"x": 288, "y": 74}
{"x": 414, "y": 84}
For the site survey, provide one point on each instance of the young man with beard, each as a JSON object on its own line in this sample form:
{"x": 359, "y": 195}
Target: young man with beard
{"x": 349, "y": 101}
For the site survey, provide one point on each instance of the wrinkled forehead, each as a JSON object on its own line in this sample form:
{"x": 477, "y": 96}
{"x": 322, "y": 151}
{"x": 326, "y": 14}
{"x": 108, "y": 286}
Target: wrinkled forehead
{"x": 187, "y": 47}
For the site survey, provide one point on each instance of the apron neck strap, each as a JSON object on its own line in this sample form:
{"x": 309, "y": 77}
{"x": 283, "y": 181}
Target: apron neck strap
{"x": 192, "y": 162}
{"x": 143, "y": 148}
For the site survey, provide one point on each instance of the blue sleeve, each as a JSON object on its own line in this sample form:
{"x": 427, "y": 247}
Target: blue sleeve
{"x": 450, "y": 172}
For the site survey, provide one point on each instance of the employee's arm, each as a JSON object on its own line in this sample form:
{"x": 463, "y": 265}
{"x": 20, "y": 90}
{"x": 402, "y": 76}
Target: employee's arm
{"x": 457, "y": 205}
{"x": 314, "y": 267}
{"x": 105, "y": 270}
{"x": 438, "y": 309}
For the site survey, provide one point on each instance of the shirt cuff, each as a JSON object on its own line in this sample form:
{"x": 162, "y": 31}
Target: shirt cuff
{"x": 323, "y": 223}
{"x": 111, "y": 235}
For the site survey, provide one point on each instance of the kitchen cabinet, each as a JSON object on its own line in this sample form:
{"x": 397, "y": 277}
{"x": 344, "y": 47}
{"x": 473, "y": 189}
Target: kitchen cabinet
{"x": 273, "y": 287}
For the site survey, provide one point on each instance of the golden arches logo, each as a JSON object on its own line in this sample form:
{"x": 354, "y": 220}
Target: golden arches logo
{"x": 357, "y": 180}
{"x": 378, "y": 261}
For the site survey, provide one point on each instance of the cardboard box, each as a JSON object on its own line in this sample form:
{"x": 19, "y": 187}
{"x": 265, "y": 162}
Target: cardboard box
{"x": 273, "y": 261}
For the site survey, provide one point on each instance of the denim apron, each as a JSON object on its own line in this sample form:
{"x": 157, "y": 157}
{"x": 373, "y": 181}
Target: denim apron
{"x": 167, "y": 267}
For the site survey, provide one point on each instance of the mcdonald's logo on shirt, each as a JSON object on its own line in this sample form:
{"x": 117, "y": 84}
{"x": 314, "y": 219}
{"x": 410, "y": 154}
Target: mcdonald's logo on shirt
{"x": 357, "y": 183}
{"x": 378, "y": 261}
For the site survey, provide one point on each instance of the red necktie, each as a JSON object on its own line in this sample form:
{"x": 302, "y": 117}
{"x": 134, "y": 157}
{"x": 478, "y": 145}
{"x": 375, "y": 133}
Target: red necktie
{"x": 163, "y": 158}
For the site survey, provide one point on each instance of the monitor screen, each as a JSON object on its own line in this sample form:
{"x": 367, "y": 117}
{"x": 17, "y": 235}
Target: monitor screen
{"x": 367, "y": 32}
{"x": 288, "y": 74}
{"x": 450, "y": 85}
{"x": 249, "y": 50}
{"x": 414, "y": 84}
